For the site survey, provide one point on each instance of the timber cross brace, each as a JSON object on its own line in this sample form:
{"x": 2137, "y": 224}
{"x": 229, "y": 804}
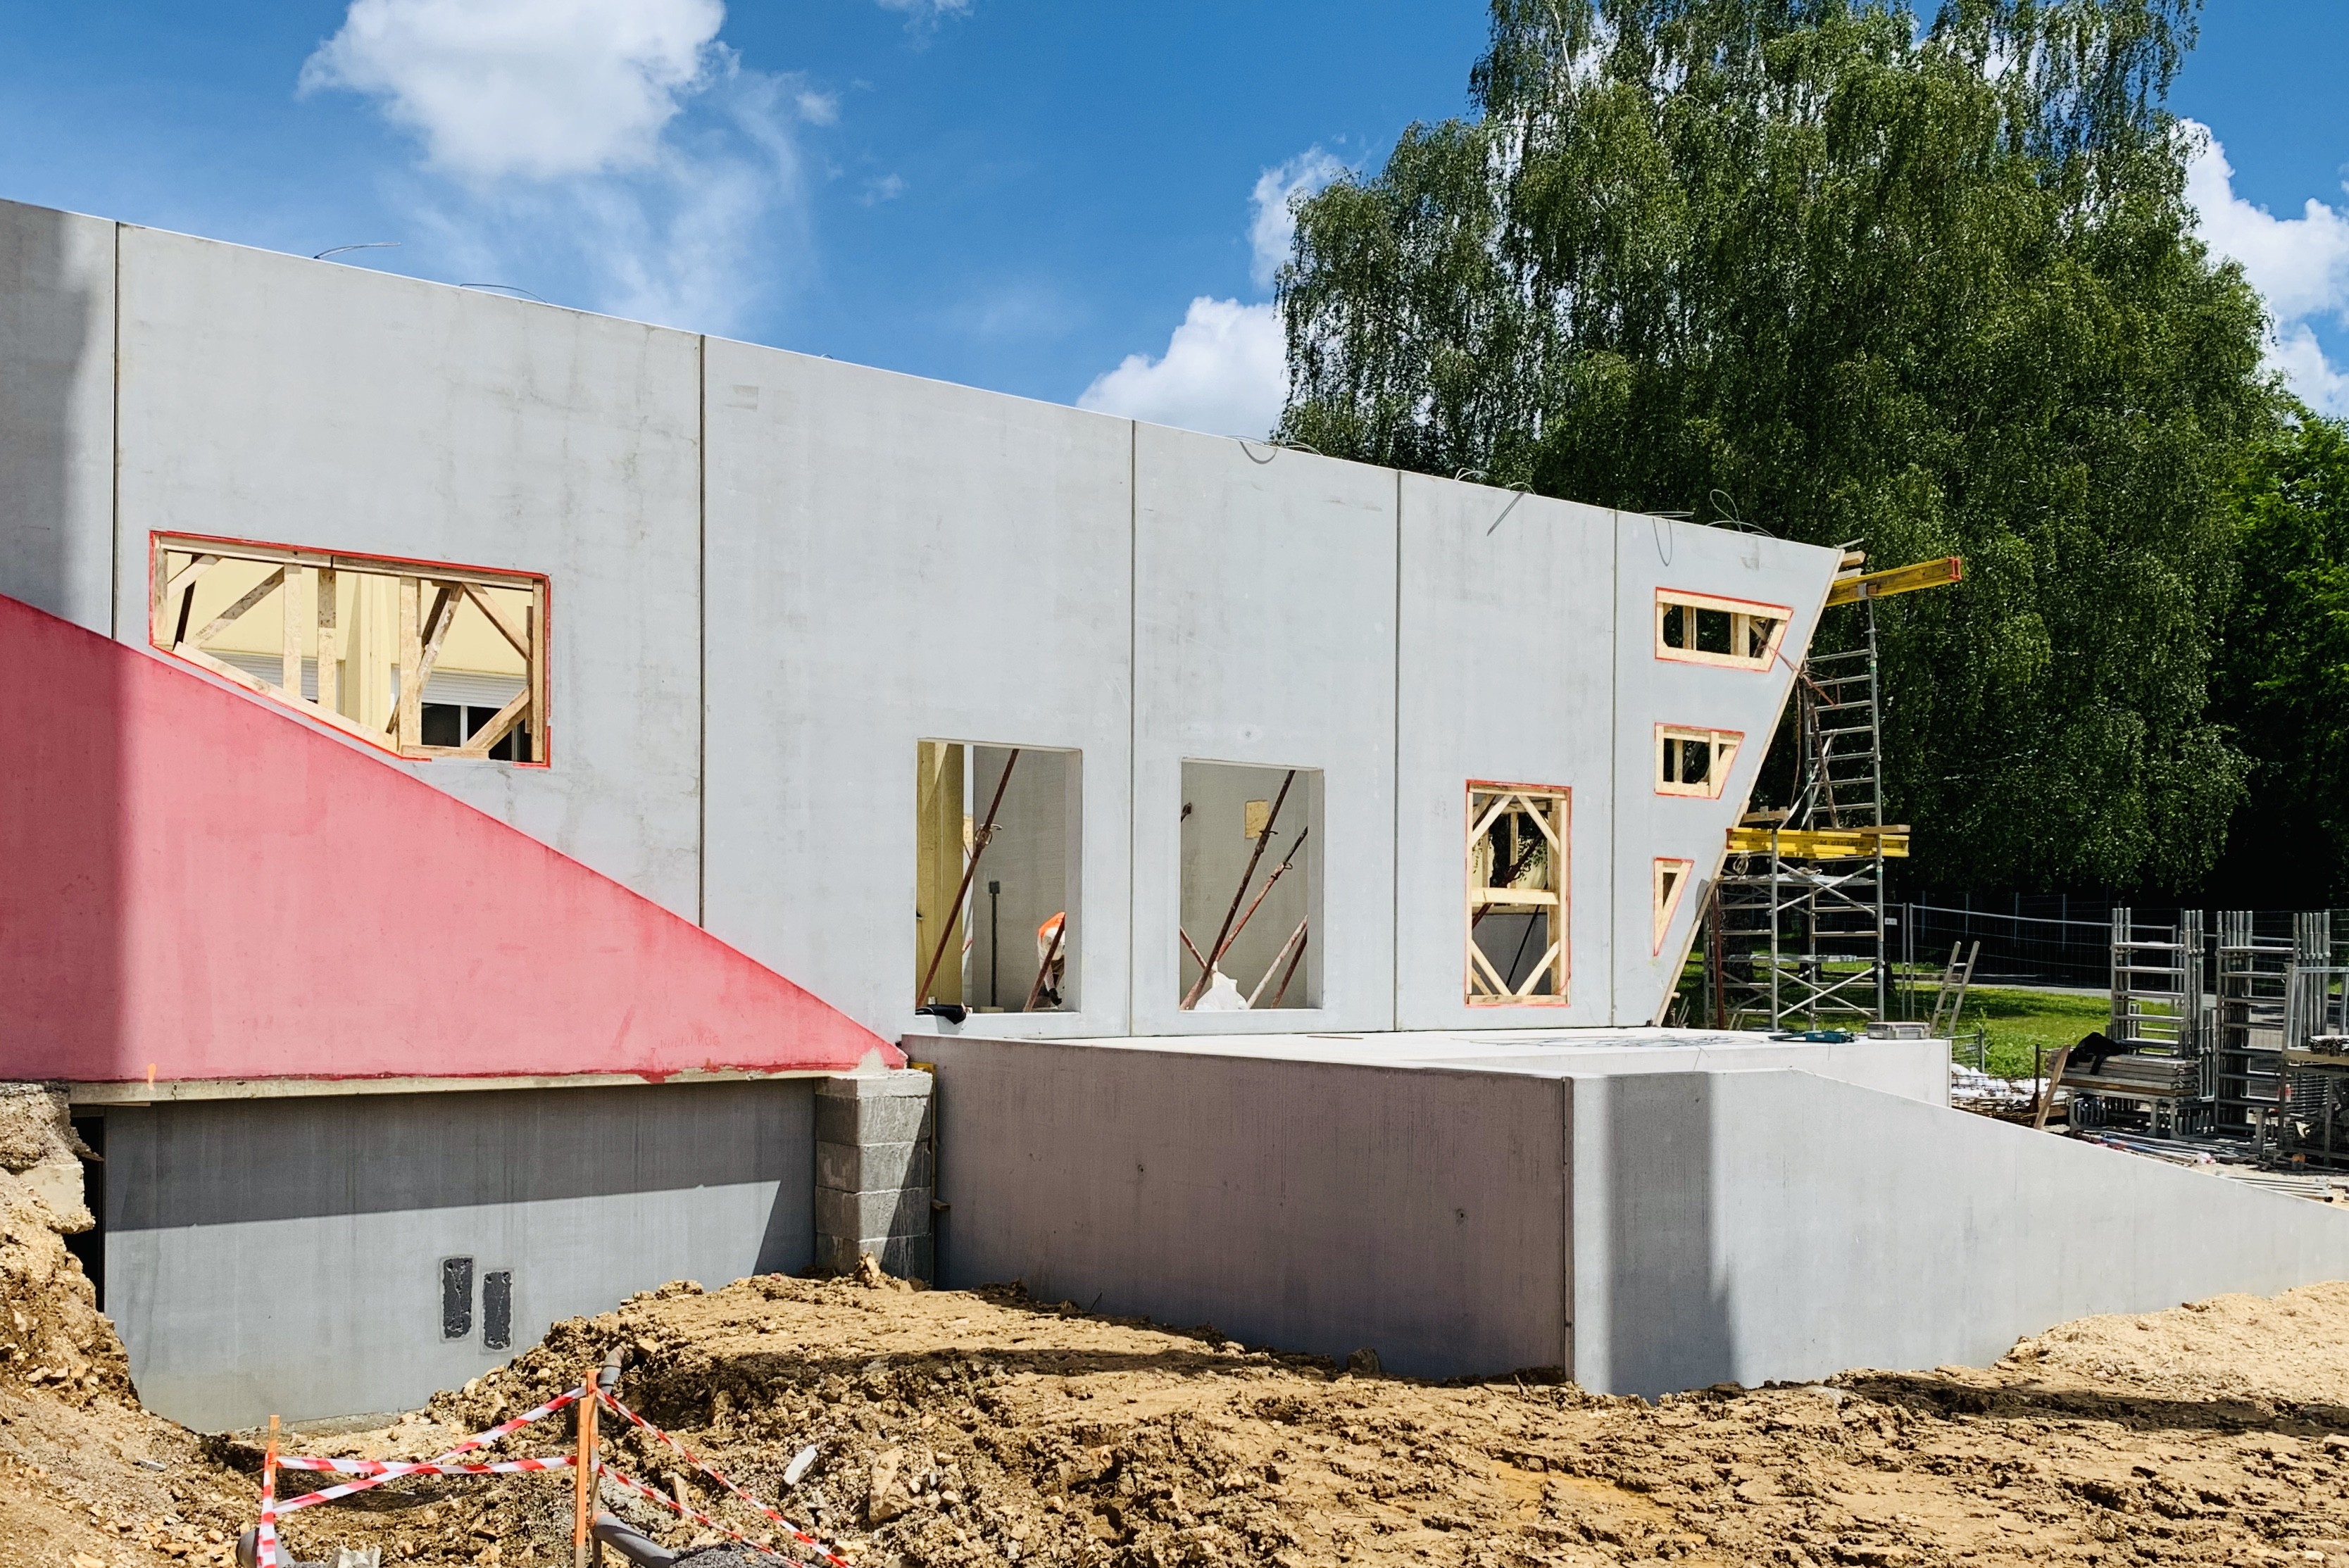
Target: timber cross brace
{"x": 357, "y": 641}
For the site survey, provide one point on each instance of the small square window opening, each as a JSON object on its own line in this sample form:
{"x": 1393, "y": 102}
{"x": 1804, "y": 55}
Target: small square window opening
{"x": 1518, "y": 855}
{"x": 1695, "y": 762}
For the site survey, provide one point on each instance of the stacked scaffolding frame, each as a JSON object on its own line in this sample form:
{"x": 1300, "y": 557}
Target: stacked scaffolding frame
{"x": 2159, "y": 1062}
{"x": 2251, "y": 980}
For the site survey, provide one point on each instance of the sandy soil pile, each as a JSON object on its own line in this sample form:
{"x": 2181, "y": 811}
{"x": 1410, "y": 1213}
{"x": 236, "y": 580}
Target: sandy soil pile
{"x": 960, "y": 1428}
{"x": 963, "y": 1428}
{"x": 86, "y": 1477}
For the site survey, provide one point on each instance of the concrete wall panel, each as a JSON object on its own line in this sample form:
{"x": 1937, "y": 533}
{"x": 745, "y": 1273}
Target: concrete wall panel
{"x": 1654, "y": 552}
{"x": 1744, "y": 1227}
{"x": 199, "y": 885}
{"x": 1506, "y": 673}
{"x": 57, "y": 412}
{"x": 1418, "y": 1214}
{"x": 1264, "y": 633}
{"x": 283, "y": 1255}
{"x": 276, "y": 398}
{"x": 892, "y": 559}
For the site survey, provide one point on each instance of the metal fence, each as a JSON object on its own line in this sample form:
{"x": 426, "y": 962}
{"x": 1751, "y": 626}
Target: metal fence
{"x": 2045, "y": 940}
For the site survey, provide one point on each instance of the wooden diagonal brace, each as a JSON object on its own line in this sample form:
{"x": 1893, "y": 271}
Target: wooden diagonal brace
{"x": 227, "y": 618}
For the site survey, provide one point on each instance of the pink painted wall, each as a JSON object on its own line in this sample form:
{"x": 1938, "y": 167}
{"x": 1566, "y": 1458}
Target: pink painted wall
{"x": 192, "y": 878}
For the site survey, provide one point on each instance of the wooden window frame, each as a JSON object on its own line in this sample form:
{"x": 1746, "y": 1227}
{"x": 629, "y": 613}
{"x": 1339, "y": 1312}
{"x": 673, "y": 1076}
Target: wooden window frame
{"x": 1742, "y": 614}
{"x": 1666, "y": 901}
{"x": 1725, "y": 746}
{"x": 1551, "y": 807}
{"x": 452, "y": 587}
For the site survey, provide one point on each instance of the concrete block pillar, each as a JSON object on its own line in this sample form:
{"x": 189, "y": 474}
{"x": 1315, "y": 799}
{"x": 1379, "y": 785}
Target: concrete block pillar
{"x": 873, "y": 1173}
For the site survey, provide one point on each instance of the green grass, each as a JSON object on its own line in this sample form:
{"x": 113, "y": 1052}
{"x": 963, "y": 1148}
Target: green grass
{"x": 2015, "y": 1022}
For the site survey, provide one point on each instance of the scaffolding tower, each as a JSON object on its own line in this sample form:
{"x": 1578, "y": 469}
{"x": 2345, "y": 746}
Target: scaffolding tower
{"x": 1793, "y": 927}
{"x": 1796, "y": 933}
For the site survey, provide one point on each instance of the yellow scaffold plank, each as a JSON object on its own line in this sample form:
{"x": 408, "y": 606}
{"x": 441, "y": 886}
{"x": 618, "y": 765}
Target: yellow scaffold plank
{"x": 1821, "y": 844}
{"x": 1897, "y": 580}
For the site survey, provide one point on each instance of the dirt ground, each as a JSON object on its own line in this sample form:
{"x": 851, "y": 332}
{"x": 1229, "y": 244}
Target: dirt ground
{"x": 955, "y": 1429}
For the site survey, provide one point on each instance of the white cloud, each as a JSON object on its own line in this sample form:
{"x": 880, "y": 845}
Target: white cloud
{"x": 927, "y": 10}
{"x": 613, "y": 144}
{"x": 2301, "y": 357}
{"x": 2299, "y": 265}
{"x": 1226, "y": 369}
{"x": 540, "y": 88}
{"x": 1223, "y": 372}
{"x": 1275, "y": 198}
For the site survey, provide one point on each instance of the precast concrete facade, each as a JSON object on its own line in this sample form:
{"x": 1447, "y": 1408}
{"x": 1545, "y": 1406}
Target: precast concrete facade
{"x": 1590, "y": 1208}
{"x": 772, "y": 576}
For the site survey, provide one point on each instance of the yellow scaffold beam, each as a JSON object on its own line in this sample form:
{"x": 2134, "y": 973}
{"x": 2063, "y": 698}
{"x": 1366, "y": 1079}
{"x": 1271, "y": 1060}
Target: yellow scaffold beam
{"x": 1897, "y": 580}
{"x": 1820, "y": 843}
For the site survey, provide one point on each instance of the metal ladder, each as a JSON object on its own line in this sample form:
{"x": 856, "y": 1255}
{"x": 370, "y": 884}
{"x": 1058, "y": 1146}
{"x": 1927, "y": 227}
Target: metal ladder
{"x": 1802, "y": 941}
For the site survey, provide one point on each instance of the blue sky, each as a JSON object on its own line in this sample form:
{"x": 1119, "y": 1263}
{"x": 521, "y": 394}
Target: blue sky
{"x": 1067, "y": 201}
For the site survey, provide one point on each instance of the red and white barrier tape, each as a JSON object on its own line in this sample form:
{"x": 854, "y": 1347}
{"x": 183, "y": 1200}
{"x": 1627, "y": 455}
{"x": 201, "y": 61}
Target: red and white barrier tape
{"x": 264, "y": 1553}
{"x": 383, "y": 1472}
{"x": 377, "y": 1471}
{"x": 611, "y": 1404}
{"x": 691, "y": 1515}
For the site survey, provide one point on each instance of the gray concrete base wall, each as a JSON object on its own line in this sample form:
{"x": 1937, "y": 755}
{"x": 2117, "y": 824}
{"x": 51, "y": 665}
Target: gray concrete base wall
{"x": 1418, "y": 1212}
{"x": 1646, "y": 1230}
{"x": 283, "y": 1256}
{"x": 1741, "y": 1227}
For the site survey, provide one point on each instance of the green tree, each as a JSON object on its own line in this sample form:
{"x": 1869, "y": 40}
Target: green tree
{"x": 2283, "y": 671}
{"x": 1848, "y": 275}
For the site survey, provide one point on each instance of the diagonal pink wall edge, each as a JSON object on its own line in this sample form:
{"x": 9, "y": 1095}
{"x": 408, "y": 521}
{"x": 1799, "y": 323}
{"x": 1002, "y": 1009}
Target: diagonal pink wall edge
{"x": 191, "y": 879}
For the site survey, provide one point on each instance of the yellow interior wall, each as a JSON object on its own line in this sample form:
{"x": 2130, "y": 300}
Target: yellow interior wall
{"x": 367, "y": 612}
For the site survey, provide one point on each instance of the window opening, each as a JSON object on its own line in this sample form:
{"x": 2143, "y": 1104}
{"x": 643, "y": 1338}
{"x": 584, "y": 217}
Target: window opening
{"x": 1695, "y": 762}
{"x": 1671, "y": 880}
{"x": 1705, "y": 629}
{"x": 337, "y": 637}
{"x": 1250, "y": 889}
{"x": 1518, "y": 911}
{"x": 995, "y": 859}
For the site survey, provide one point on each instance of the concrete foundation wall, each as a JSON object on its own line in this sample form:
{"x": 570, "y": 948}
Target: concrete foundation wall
{"x": 284, "y": 1256}
{"x": 1419, "y": 1213}
{"x": 1714, "y": 1226}
{"x": 1739, "y": 1227}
